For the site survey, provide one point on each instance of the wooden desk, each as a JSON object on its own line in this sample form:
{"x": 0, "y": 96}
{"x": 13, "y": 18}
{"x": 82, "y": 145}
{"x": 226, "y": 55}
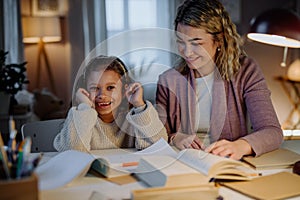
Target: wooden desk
{"x": 83, "y": 188}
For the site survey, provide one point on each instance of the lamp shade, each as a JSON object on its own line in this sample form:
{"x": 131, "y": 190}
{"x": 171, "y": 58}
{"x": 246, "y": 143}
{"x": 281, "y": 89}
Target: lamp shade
{"x": 41, "y": 28}
{"x": 278, "y": 27}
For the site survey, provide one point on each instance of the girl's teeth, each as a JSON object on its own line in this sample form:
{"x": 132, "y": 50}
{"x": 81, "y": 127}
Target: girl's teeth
{"x": 104, "y": 104}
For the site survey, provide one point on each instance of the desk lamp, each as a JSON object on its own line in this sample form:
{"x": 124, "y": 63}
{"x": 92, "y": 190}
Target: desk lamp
{"x": 293, "y": 72}
{"x": 279, "y": 27}
{"x": 42, "y": 30}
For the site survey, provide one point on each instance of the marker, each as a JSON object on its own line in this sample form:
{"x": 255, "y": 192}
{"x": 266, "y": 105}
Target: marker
{"x": 26, "y": 165}
{"x": 20, "y": 160}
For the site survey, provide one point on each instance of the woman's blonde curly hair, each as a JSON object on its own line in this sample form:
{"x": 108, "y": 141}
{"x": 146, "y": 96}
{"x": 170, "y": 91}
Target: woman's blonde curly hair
{"x": 211, "y": 16}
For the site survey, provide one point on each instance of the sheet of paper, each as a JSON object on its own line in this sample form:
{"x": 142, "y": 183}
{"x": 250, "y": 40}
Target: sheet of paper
{"x": 161, "y": 147}
{"x": 63, "y": 168}
{"x": 122, "y": 156}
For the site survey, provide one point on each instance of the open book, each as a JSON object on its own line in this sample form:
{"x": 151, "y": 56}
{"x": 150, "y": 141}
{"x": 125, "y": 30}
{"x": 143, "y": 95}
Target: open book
{"x": 192, "y": 167}
{"x": 64, "y": 167}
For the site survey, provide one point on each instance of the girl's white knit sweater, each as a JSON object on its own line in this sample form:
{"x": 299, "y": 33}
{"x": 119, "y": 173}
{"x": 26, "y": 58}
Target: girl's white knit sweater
{"x": 83, "y": 130}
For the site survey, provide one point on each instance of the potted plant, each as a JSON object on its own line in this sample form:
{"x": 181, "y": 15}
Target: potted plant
{"x": 12, "y": 79}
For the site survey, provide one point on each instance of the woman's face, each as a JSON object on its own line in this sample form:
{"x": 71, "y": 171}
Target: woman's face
{"x": 196, "y": 46}
{"x": 105, "y": 88}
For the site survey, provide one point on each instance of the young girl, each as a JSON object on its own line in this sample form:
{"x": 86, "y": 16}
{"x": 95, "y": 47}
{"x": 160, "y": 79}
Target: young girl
{"x": 102, "y": 120}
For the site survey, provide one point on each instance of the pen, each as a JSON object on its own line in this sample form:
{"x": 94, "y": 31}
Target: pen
{"x": 254, "y": 174}
{"x": 126, "y": 164}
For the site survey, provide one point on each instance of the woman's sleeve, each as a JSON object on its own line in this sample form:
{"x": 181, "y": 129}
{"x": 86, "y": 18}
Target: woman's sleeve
{"x": 267, "y": 134}
{"x": 148, "y": 128}
{"x": 78, "y": 129}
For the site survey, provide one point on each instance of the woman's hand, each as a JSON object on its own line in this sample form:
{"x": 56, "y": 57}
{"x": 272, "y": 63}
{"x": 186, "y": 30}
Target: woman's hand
{"x": 82, "y": 96}
{"x": 184, "y": 141}
{"x": 134, "y": 94}
{"x": 235, "y": 150}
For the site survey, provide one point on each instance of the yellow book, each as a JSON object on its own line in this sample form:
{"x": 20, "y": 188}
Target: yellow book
{"x": 208, "y": 192}
{"x": 276, "y": 186}
{"x": 190, "y": 167}
{"x": 280, "y": 158}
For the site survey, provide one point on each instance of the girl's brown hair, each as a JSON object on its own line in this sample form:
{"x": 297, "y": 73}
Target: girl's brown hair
{"x": 211, "y": 16}
{"x": 112, "y": 63}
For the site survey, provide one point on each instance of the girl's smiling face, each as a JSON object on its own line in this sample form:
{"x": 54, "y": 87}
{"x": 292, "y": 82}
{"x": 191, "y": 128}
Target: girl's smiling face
{"x": 105, "y": 88}
{"x": 197, "y": 47}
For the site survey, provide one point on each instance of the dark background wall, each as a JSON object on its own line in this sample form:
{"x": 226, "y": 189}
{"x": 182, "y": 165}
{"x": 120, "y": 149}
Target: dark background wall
{"x": 268, "y": 57}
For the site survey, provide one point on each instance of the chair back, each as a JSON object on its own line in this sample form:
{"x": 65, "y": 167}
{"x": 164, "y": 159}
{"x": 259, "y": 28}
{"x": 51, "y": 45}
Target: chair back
{"x": 42, "y": 134}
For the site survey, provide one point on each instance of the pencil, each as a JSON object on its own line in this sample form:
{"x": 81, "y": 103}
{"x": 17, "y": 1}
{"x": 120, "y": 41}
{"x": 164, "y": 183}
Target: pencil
{"x": 4, "y": 158}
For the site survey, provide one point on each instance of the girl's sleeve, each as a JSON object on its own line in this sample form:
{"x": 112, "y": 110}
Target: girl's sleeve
{"x": 148, "y": 128}
{"x": 78, "y": 129}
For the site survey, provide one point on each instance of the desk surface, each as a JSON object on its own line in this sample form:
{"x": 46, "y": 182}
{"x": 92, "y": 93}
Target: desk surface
{"x": 88, "y": 188}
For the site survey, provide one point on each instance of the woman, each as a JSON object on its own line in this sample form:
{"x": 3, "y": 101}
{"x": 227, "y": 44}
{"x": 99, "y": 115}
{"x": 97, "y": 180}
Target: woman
{"x": 206, "y": 100}
{"x": 102, "y": 119}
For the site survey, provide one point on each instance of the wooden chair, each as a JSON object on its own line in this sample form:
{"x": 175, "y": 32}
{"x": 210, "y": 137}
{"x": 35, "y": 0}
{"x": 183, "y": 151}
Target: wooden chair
{"x": 42, "y": 134}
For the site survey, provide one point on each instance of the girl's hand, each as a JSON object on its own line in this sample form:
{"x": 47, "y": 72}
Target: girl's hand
{"x": 235, "y": 150}
{"x": 184, "y": 141}
{"x": 82, "y": 96}
{"x": 134, "y": 94}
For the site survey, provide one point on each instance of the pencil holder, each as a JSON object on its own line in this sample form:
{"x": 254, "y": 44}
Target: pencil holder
{"x": 25, "y": 188}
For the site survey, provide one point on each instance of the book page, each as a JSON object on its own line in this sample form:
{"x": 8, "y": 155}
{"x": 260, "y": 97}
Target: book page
{"x": 201, "y": 160}
{"x": 161, "y": 147}
{"x": 126, "y": 161}
{"x": 159, "y": 171}
{"x": 62, "y": 169}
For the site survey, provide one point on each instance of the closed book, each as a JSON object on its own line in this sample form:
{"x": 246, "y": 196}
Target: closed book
{"x": 208, "y": 192}
{"x": 277, "y": 159}
{"x": 281, "y": 185}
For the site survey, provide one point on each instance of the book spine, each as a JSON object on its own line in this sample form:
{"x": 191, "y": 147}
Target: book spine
{"x": 101, "y": 166}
